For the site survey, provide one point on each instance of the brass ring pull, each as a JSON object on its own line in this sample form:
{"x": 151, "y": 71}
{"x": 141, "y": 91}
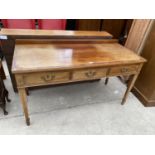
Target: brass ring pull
{"x": 90, "y": 74}
{"x": 124, "y": 70}
{"x": 48, "y": 77}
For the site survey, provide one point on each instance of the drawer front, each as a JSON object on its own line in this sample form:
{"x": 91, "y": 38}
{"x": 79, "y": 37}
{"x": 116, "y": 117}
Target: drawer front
{"x": 88, "y": 74}
{"x": 124, "y": 70}
{"x": 32, "y": 79}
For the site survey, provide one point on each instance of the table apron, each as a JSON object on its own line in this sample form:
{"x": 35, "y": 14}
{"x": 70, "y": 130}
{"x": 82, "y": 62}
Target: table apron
{"x": 68, "y": 76}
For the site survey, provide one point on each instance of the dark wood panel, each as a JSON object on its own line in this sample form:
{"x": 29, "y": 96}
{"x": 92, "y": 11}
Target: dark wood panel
{"x": 8, "y": 50}
{"x": 145, "y": 84}
{"x": 119, "y": 28}
{"x": 2, "y": 73}
{"x": 88, "y": 24}
{"x": 114, "y": 26}
{"x": 125, "y": 33}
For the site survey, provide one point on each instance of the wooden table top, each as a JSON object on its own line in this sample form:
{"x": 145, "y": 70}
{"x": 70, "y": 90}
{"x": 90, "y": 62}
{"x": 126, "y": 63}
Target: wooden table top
{"x": 56, "y": 33}
{"x": 33, "y": 56}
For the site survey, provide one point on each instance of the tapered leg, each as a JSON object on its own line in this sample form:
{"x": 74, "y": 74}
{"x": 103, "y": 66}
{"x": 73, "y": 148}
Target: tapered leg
{"x": 23, "y": 97}
{"x": 129, "y": 87}
{"x": 106, "y": 81}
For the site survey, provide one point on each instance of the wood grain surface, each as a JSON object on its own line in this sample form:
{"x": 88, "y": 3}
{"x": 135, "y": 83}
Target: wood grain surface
{"x": 46, "y": 56}
{"x": 55, "y": 33}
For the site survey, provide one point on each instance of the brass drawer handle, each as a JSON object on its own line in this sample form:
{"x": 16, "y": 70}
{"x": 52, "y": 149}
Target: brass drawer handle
{"x": 48, "y": 77}
{"x": 124, "y": 70}
{"x": 90, "y": 74}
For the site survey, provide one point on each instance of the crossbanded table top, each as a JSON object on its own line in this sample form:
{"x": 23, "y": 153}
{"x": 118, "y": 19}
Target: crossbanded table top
{"x": 33, "y": 56}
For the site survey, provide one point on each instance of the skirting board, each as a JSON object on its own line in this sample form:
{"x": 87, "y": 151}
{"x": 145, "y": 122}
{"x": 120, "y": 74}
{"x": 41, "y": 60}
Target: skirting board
{"x": 145, "y": 101}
